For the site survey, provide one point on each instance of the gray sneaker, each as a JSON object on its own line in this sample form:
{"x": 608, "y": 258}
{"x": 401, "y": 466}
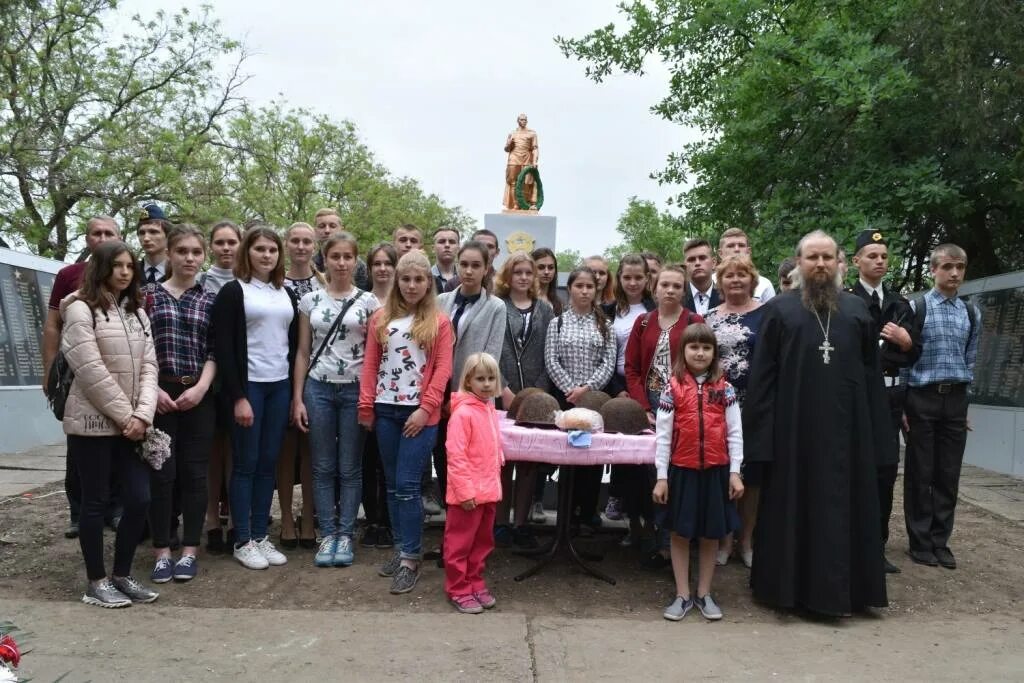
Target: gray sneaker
{"x": 405, "y": 580}
{"x": 708, "y": 608}
{"x": 133, "y": 589}
{"x": 344, "y": 555}
{"x": 678, "y": 609}
{"x": 431, "y": 505}
{"x": 389, "y": 568}
{"x": 105, "y": 594}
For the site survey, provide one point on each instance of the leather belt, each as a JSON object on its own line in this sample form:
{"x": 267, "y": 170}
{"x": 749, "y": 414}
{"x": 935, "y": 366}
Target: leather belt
{"x": 944, "y": 387}
{"x": 891, "y": 381}
{"x": 185, "y": 381}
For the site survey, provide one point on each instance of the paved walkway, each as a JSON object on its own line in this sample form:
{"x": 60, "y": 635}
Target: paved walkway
{"x": 308, "y": 645}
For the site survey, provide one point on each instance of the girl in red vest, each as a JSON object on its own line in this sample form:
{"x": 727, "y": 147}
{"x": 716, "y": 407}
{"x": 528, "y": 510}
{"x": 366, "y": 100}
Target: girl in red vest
{"x": 699, "y": 453}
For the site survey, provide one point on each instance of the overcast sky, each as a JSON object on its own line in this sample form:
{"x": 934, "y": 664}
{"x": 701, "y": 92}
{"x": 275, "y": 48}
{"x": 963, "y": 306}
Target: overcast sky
{"x": 435, "y": 87}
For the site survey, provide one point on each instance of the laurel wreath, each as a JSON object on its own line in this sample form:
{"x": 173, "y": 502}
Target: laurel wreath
{"x": 521, "y": 181}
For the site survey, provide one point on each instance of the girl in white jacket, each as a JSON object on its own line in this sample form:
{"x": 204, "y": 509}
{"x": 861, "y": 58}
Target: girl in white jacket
{"x": 107, "y": 342}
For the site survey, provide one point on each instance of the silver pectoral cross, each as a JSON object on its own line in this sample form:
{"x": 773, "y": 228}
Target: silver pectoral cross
{"x": 826, "y": 349}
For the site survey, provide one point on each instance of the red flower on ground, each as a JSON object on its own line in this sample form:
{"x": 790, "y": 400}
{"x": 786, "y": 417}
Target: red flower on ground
{"x": 9, "y": 651}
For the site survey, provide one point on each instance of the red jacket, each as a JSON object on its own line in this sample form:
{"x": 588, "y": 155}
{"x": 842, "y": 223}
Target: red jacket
{"x": 435, "y": 377}
{"x": 699, "y": 430}
{"x": 474, "y": 452}
{"x": 643, "y": 340}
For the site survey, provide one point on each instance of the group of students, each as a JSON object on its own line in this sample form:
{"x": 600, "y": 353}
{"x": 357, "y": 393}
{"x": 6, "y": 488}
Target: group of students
{"x": 293, "y": 353}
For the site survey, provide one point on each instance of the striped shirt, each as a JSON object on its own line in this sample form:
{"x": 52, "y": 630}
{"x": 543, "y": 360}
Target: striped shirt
{"x": 948, "y": 346}
{"x": 182, "y": 333}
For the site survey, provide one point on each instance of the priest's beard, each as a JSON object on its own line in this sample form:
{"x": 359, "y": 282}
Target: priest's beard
{"x": 821, "y": 293}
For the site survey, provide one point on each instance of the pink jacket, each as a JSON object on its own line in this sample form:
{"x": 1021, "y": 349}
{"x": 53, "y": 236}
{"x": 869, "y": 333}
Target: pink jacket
{"x": 474, "y": 451}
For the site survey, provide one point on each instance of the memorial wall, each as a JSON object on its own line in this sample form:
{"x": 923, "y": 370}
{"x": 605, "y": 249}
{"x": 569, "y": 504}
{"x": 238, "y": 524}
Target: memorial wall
{"x": 996, "y": 439}
{"x": 999, "y": 373}
{"x": 25, "y": 284}
{"x": 24, "y": 293}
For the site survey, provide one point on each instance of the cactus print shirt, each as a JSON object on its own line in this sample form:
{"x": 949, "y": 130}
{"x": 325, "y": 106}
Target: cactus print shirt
{"x": 342, "y": 359}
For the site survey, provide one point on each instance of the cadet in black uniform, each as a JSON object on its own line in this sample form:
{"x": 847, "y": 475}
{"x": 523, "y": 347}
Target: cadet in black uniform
{"x": 893, "y": 321}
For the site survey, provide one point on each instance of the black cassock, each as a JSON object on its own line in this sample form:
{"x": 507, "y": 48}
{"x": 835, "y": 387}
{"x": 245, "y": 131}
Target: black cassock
{"x": 817, "y": 428}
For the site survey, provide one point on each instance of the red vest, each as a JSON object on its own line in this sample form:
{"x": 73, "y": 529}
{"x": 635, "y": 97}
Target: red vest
{"x": 699, "y": 429}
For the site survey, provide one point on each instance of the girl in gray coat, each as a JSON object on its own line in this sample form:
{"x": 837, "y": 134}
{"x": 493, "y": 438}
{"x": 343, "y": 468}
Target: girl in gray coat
{"x": 478, "y": 324}
{"x": 522, "y": 366}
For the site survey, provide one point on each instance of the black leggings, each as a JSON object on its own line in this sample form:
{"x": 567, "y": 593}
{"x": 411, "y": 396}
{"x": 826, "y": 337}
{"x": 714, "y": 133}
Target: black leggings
{"x": 97, "y": 458}
{"x": 375, "y": 501}
{"x": 191, "y": 433}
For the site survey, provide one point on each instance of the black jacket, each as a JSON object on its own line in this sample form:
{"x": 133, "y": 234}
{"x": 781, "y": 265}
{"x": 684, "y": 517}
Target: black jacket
{"x": 231, "y": 347}
{"x": 689, "y": 303}
{"x": 895, "y": 309}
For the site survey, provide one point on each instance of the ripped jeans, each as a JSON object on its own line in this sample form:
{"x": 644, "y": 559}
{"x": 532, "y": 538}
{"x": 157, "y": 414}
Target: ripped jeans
{"x": 403, "y": 459}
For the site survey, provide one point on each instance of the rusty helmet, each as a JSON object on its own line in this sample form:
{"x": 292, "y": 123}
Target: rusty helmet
{"x": 537, "y": 410}
{"x": 625, "y": 416}
{"x": 517, "y": 401}
{"x": 593, "y": 400}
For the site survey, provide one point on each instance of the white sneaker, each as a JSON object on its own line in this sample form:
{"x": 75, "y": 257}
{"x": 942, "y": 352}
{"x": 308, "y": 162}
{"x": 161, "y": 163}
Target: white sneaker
{"x": 251, "y": 557}
{"x": 274, "y": 556}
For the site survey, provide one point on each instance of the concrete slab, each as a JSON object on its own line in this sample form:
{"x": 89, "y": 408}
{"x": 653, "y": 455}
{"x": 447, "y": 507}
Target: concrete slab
{"x": 153, "y": 643}
{"x": 25, "y": 461}
{"x": 862, "y": 648}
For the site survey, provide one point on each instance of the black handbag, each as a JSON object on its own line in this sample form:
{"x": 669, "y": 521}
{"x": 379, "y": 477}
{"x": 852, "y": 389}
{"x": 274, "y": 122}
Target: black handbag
{"x": 58, "y": 381}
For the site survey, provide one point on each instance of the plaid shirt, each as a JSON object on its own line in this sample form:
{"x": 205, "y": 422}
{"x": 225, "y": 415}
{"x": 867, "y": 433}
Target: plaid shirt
{"x": 182, "y": 332}
{"x": 947, "y": 354}
{"x": 578, "y": 354}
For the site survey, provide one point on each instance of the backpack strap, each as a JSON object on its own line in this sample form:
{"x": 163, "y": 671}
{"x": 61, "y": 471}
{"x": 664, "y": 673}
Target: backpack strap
{"x": 920, "y": 308}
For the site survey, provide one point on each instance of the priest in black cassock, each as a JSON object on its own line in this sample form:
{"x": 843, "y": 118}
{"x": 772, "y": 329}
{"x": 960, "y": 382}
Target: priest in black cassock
{"x": 814, "y": 420}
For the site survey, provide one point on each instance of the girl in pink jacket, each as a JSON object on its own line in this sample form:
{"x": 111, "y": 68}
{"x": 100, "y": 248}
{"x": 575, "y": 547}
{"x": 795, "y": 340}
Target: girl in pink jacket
{"x": 474, "y": 484}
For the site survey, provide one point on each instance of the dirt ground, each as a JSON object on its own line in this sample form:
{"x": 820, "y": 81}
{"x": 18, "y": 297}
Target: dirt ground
{"x": 38, "y": 563}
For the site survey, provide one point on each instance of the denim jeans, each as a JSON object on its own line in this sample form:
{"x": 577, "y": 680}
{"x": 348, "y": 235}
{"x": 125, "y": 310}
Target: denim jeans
{"x": 403, "y": 459}
{"x": 254, "y": 452}
{"x": 336, "y": 450}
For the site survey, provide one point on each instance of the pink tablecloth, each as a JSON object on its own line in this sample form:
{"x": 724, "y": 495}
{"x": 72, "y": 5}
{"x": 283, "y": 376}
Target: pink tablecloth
{"x": 552, "y": 446}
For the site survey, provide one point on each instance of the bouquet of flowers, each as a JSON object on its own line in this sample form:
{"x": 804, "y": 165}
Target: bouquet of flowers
{"x": 10, "y": 655}
{"x": 155, "y": 449}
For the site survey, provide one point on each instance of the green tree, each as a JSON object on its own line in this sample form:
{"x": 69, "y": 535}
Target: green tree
{"x": 94, "y": 123}
{"x": 568, "y": 259}
{"x": 280, "y": 165}
{"x": 644, "y": 228}
{"x": 901, "y": 115}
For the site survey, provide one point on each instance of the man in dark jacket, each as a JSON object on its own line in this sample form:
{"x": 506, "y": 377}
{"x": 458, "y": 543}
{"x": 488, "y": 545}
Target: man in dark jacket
{"x": 893, "y": 322}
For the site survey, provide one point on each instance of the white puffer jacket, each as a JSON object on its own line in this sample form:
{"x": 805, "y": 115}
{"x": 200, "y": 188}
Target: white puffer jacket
{"x": 115, "y": 368}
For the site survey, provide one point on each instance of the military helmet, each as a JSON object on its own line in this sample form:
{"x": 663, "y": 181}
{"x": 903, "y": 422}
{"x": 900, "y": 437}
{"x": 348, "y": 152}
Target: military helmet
{"x": 517, "y": 401}
{"x": 593, "y": 400}
{"x": 537, "y": 410}
{"x": 625, "y": 416}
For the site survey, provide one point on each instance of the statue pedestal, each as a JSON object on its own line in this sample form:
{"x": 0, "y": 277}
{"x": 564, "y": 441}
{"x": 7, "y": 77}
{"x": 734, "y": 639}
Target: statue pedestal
{"x": 521, "y": 231}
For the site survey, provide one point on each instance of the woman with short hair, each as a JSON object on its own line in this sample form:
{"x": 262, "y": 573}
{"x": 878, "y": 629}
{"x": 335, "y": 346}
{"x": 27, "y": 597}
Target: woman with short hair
{"x": 736, "y": 322}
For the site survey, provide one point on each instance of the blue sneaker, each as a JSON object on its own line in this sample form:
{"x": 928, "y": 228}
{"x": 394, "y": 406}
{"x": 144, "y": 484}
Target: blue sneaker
{"x": 325, "y": 553}
{"x": 343, "y": 552}
{"x": 186, "y": 568}
{"x": 162, "y": 572}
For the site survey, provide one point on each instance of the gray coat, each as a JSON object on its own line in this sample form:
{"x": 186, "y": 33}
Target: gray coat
{"x": 522, "y": 364}
{"x": 483, "y": 329}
